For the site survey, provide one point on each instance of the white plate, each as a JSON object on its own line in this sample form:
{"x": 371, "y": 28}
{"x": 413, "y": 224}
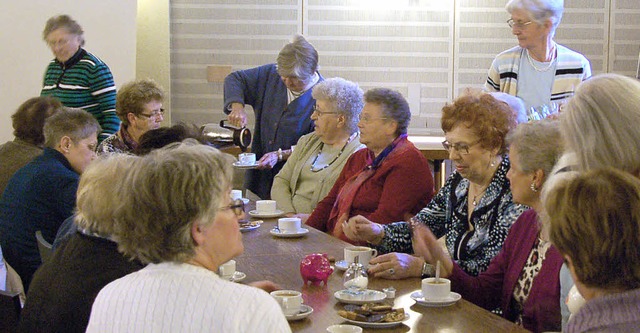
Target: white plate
{"x": 301, "y": 232}
{"x": 377, "y": 325}
{"x": 255, "y": 213}
{"x": 452, "y": 299}
{"x": 244, "y": 166}
{"x": 341, "y": 265}
{"x": 249, "y": 227}
{"x": 305, "y": 311}
{"x": 367, "y": 296}
{"x": 237, "y": 277}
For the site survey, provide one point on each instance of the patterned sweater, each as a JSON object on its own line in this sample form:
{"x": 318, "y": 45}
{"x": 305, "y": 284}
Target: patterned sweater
{"x": 84, "y": 82}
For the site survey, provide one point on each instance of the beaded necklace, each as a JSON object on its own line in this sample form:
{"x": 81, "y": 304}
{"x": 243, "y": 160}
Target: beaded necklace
{"x": 318, "y": 169}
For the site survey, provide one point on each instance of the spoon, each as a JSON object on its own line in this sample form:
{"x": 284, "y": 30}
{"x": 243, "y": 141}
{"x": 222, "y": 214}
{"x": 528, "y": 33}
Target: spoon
{"x": 438, "y": 271}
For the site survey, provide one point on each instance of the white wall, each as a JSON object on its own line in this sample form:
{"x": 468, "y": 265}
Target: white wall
{"x": 110, "y": 34}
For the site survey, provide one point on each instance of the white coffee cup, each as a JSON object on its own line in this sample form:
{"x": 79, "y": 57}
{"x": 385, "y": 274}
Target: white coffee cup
{"x": 290, "y": 301}
{"x": 266, "y": 206}
{"x": 289, "y": 224}
{"x": 363, "y": 253}
{"x": 344, "y": 329}
{"x": 435, "y": 291}
{"x": 236, "y": 194}
{"x": 247, "y": 158}
{"x": 227, "y": 269}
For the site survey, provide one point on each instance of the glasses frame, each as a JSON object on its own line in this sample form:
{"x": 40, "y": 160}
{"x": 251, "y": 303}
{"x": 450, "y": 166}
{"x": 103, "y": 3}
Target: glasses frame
{"x": 321, "y": 113}
{"x": 369, "y": 120}
{"x": 237, "y": 206}
{"x": 153, "y": 115}
{"x": 460, "y": 148}
{"x": 518, "y": 25}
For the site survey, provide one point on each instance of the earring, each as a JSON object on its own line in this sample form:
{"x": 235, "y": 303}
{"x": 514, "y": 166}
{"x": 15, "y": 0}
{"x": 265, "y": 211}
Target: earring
{"x": 493, "y": 161}
{"x": 533, "y": 187}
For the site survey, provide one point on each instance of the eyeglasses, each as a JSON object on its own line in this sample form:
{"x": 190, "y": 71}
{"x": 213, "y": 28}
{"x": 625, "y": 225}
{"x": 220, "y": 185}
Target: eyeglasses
{"x": 518, "y": 24}
{"x": 154, "y": 114}
{"x": 61, "y": 42}
{"x": 367, "y": 119}
{"x": 461, "y": 148}
{"x": 237, "y": 206}
{"x": 322, "y": 113}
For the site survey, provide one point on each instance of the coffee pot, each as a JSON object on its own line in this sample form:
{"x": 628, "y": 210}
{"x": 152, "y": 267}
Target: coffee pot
{"x": 227, "y": 135}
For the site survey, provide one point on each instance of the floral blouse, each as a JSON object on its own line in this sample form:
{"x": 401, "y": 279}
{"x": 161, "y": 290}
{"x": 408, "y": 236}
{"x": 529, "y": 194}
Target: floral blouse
{"x": 447, "y": 215}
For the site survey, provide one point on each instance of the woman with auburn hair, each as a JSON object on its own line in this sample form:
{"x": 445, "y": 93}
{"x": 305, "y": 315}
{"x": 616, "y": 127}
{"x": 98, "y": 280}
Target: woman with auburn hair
{"x": 594, "y": 221}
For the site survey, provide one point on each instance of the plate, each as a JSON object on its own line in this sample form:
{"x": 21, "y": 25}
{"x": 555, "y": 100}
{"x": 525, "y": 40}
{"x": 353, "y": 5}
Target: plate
{"x": 377, "y": 325}
{"x": 341, "y": 265}
{"x": 255, "y": 213}
{"x": 305, "y": 311}
{"x": 244, "y": 227}
{"x": 237, "y": 277}
{"x": 244, "y": 166}
{"x": 367, "y": 296}
{"x": 301, "y": 232}
{"x": 452, "y": 299}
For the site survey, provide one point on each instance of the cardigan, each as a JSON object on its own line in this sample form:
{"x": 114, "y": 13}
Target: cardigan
{"x": 38, "y": 197}
{"x": 615, "y": 313}
{"x": 13, "y": 156}
{"x": 84, "y": 81}
{"x": 494, "y": 287}
{"x": 571, "y": 69}
{"x": 278, "y": 124}
{"x": 447, "y": 214}
{"x": 401, "y": 184}
{"x": 289, "y": 179}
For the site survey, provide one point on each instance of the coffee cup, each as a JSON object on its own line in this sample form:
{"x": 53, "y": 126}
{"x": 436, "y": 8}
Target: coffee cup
{"x": 363, "y": 253}
{"x": 236, "y": 194}
{"x": 290, "y": 301}
{"x": 227, "y": 269}
{"x": 436, "y": 290}
{"x": 247, "y": 158}
{"x": 289, "y": 224}
{"x": 344, "y": 329}
{"x": 266, "y": 206}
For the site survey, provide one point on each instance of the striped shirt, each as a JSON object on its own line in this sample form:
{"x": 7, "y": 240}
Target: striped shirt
{"x": 84, "y": 82}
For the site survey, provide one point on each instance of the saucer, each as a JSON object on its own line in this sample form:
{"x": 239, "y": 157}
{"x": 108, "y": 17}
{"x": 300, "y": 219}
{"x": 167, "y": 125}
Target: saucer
{"x": 244, "y": 227}
{"x": 341, "y": 265}
{"x": 377, "y": 325}
{"x": 301, "y": 232}
{"x": 255, "y": 213}
{"x": 245, "y": 166}
{"x": 237, "y": 276}
{"x": 452, "y": 299}
{"x": 367, "y": 296}
{"x": 305, "y": 311}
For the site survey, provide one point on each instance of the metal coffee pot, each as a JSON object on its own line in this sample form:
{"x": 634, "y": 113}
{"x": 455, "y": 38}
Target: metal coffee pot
{"x": 227, "y": 135}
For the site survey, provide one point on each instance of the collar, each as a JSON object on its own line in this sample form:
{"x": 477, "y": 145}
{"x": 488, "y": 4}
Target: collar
{"x": 378, "y": 160}
{"x": 58, "y": 156}
{"x": 73, "y": 60}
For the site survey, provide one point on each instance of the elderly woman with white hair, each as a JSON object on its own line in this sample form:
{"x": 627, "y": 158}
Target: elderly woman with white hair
{"x": 280, "y": 95}
{"x": 319, "y": 157}
{"x": 538, "y": 70}
{"x": 180, "y": 219}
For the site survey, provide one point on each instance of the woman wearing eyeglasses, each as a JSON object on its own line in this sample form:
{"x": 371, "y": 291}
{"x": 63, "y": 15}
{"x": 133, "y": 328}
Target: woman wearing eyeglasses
{"x": 474, "y": 209}
{"x": 139, "y": 107}
{"x": 78, "y": 78}
{"x": 318, "y": 158}
{"x": 385, "y": 181}
{"x": 184, "y": 233}
{"x": 539, "y": 71}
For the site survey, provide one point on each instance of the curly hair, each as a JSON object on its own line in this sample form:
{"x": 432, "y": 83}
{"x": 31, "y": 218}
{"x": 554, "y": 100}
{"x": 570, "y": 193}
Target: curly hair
{"x": 63, "y": 21}
{"x": 28, "y": 120}
{"x": 133, "y": 96}
{"x": 345, "y": 97}
{"x": 490, "y": 119}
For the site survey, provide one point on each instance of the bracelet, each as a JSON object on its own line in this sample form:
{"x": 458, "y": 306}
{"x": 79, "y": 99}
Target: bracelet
{"x": 279, "y": 154}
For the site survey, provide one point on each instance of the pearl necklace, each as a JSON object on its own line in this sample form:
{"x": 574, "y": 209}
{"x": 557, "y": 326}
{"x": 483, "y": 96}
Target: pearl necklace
{"x": 475, "y": 202}
{"x": 551, "y": 62}
{"x": 318, "y": 169}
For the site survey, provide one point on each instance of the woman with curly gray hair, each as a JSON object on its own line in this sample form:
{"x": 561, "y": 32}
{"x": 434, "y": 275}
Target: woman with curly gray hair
{"x": 315, "y": 164}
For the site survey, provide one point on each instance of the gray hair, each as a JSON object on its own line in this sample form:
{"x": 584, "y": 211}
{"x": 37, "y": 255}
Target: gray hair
{"x": 600, "y": 123}
{"x": 540, "y": 10}
{"x": 394, "y": 106}
{"x": 77, "y": 124}
{"x": 63, "y": 21}
{"x": 345, "y": 98}
{"x": 169, "y": 190}
{"x": 538, "y": 144}
{"x": 298, "y": 58}
{"x": 515, "y": 103}
{"x": 100, "y": 193}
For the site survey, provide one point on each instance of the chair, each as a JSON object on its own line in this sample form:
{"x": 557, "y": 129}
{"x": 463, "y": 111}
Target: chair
{"x": 9, "y": 311}
{"x": 44, "y": 247}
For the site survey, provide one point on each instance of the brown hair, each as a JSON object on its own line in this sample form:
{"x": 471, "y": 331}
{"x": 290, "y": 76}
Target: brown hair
{"x": 63, "y": 21}
{"x": 133, "y": 95}
{"x": 28, "y": 120}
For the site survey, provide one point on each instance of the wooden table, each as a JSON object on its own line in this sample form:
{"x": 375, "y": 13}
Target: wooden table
{"x": 278, "y": 259}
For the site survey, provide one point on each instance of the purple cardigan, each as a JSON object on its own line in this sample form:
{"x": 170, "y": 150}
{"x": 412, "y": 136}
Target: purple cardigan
{"x": 494, "y": 287}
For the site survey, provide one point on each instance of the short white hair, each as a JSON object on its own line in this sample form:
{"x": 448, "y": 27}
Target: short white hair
{"x": 540, "y": 10}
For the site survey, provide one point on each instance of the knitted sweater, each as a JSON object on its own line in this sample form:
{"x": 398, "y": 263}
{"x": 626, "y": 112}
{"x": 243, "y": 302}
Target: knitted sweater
{"x": 618, "y": 312}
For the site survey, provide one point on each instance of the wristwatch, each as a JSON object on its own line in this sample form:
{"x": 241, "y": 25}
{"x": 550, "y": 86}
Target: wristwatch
{"x": 428, "y": 270}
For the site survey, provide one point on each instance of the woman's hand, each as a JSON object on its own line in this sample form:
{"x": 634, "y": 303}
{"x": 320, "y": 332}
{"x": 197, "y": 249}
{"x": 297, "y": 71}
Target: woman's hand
{"x": 395, "y": 266}
{"x": 265, "y": 285}
{"x": 359, "y": 228}
{"x": 268, "y": 160}
{"x": 237, "y": 116}
{"x": 425, "y": 244}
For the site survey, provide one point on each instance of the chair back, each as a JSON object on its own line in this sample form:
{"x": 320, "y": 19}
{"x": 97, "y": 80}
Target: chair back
{"x": 44, "y": 247}
{"x": 9, "y": 311}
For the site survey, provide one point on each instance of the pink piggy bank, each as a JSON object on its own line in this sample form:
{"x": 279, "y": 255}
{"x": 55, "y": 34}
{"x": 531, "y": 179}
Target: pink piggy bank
{"x": 315, "y": 267}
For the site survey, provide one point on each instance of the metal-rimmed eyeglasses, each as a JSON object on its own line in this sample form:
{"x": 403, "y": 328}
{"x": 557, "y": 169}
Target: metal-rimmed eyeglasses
{"x": 237, "y": 206}
{"x": 518, "y": 24}
{"x": 154, "y": 114}
{"x": 321, "y": 113}
{"x": 366, "y": 119}
{"x": 461, "y": 148}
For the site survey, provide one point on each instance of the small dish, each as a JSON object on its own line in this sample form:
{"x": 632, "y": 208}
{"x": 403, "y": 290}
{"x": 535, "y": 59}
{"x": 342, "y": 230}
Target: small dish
{"x": 377, "y": 325}
{"x": 341, "y": 265}
{"x": 366, "y": 296}
{"x": 305, "y": 311}
{"x": 255, "y": 213}
{"x": 276, "y": 232}
{"x": 244, "y": 166}
{"x": 244, "y": 227}
{"x": 237, "y": 277}
{"x": 420, "y": 300}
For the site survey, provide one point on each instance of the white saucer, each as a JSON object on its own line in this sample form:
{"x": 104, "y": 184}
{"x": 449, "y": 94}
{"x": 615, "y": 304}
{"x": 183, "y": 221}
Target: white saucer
{"x": 452, "y": 299}
{"x": 301, "y": 232}
{"x": 255, "y": 213}
{"x": 250, "y": 227}
{"x": 367, "y": 296}
{"x": 237, "y": 277}
{"x": 341, "y": 265}
{"x": 377, "y": 325}
{"x": 244, "y": 166}
{"x": 305, "y": 311}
